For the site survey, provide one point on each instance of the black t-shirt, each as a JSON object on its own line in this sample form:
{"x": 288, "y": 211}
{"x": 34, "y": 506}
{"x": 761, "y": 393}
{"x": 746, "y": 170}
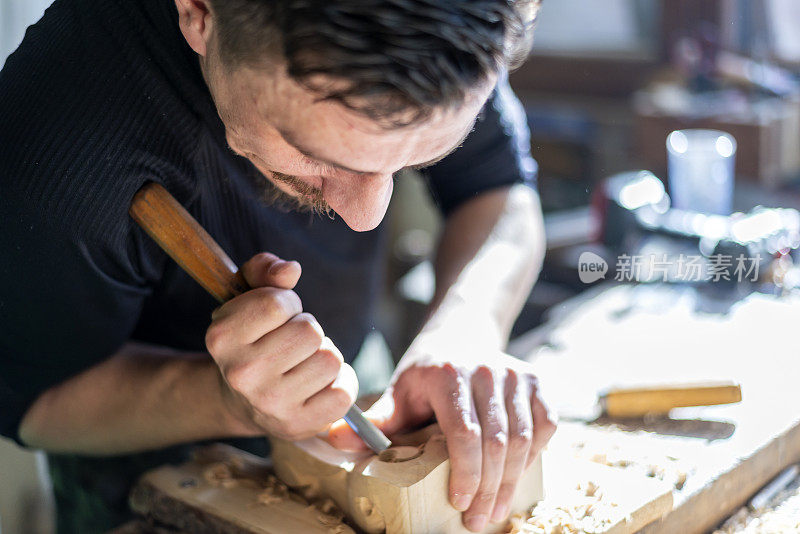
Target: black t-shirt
{"x": 105, "y": 95}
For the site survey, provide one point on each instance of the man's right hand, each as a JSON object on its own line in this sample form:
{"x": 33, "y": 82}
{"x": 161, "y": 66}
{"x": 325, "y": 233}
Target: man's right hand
{"x": 282, "y": 376}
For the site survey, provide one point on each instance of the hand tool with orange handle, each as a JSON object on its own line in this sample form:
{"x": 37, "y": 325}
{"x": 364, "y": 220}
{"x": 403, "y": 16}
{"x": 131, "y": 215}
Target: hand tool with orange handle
{"x": 660, "y": 399}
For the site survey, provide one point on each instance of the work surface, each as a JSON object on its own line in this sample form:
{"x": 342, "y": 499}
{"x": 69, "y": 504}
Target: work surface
{"x": 715, "y": 457}
{"x": 227, "y": 491}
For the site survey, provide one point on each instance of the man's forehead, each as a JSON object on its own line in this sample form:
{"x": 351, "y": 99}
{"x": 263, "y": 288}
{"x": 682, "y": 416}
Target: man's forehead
{"x": 334, "y": 134}
{"x": 422, "y": 154}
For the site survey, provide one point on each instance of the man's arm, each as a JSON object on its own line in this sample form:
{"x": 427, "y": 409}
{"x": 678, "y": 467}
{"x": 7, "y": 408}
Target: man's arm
{"x": 489, "y": 256}
{"x": 273, "y": 372}
{"x": 144, "y": 397}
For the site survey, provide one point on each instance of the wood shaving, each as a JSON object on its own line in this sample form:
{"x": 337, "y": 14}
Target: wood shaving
{"x": 219, "y": 474}
{"x": 310, "y": 493}
{"x": 585, "y": 511}
{"x": 782, "y": 515}
{"x": 275, "y": 491}
{"x": 659, "y": 466}
{"x": 327, "y": 506}
{"x": 233, "y": 472}
{"x": 329, "y": 515}
{"x": 273, "y": 494}
{"x": 590, "y": 489}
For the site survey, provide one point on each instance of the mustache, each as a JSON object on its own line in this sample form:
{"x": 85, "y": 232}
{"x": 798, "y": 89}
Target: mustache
{"x": 309, "y": 200}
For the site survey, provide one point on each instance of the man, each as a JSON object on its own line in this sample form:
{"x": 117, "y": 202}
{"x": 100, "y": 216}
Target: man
{"x": 105, "y": 343}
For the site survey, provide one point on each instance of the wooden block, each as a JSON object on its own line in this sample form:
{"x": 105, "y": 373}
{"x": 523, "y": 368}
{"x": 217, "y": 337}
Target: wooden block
{"x": 404, "y": 492}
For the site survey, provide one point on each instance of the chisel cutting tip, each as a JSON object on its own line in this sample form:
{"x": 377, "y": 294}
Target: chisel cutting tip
{"x": 366, "y": 430}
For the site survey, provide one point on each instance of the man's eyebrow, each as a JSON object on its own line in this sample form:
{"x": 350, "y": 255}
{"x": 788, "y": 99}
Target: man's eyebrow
{"x": 310, "y": 154}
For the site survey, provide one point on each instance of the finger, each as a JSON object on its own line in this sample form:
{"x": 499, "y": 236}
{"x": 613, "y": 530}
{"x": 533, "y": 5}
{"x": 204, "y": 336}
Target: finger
{"x": 253, "y": 367}
{"x": 268, "y": 270}
{"x": 382, "y": 413}
{"x": 520, "y": 437}
{"x": 315, "y": 373}
{"x": 544, "y": 422}
{"x": 247, "y": 317}
{"x": 332, "y": 402}
{"x": 291, "y": 343}
{"x": 456, "y": 415}
{"x": 341, "y": 436}
{"x": 493, "y": 418}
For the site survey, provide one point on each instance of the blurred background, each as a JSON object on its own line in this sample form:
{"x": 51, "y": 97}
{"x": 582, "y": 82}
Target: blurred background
{"x": 605, "y": 85}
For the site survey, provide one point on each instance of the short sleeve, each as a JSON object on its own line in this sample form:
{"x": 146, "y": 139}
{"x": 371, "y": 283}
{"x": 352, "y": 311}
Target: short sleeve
{"x": 68, "y": 298}
{"x": 495, "y": 154}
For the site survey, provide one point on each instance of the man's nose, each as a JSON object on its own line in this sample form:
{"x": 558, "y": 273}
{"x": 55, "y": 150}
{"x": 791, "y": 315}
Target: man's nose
{"x": 360, "y": 201}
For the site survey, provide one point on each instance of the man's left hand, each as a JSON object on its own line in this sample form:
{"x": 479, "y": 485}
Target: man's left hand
{"x": 487, "y": 404}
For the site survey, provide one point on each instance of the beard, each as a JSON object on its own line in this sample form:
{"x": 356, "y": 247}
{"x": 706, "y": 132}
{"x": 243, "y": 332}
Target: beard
{"x": 308, "y": 200}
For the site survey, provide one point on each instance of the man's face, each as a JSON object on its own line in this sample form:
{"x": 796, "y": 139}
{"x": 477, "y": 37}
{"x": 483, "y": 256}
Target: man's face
{"x": 322, "y": 153}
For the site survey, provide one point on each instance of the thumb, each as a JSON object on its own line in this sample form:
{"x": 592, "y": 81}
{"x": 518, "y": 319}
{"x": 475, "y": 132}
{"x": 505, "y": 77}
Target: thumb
{"x": 382, "y": 413}
{"x": 268, "y": 270}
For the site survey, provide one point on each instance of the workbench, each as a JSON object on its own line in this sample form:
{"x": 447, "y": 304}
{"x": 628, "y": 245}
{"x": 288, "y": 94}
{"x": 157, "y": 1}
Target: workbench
{"x": 693, "y": 469}
{"x": 623, "y": 335}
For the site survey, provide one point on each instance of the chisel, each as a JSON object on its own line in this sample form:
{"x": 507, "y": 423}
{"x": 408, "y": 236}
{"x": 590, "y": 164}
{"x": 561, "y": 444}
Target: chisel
{"x": 186, "y": 242}
{"x": 649, "y": 400}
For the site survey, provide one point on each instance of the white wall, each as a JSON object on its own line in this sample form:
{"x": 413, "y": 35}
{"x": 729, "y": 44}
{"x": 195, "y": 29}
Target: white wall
{"x": 15, "y": 16}
{"x": 586, "y": 27}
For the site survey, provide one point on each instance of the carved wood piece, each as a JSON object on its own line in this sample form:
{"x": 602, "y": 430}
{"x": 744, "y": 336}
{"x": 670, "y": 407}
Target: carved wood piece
{"x": 404, "y": 491}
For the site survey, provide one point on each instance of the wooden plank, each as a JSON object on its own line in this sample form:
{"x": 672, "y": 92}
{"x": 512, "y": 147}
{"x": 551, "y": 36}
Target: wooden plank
{"x": 232, "y": 492}
{"x": 641, "y": 335}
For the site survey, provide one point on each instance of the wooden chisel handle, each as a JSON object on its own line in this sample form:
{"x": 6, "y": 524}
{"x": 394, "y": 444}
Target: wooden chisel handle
{"x": 182, "y": 237}
{"x": 637, "y": 402}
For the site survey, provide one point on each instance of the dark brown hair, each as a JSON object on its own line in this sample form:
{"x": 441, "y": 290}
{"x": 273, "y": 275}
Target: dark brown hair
{"x": 392, "y": 60}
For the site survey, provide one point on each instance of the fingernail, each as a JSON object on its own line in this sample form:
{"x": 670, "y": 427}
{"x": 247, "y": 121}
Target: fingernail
{"x": 476, "y": 523}
{"x": 276, "y": 266}
{"x": 461, "y": 501}
{"x": 500, "y": 513}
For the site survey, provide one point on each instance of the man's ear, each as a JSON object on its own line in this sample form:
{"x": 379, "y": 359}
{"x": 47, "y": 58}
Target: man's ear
{"x": 195, "y": 22}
